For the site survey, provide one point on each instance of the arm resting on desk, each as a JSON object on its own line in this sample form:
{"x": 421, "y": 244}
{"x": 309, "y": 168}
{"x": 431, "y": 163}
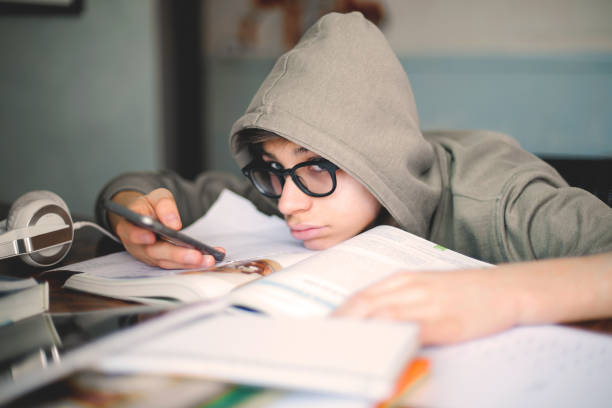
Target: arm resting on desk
{"x": 453, "y": 306}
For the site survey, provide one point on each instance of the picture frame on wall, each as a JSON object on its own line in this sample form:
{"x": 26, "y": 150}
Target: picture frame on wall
{"x": 41, "y": 7}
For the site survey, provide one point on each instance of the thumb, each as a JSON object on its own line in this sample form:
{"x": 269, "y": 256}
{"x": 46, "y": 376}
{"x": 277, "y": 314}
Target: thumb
{"x": 165, "y": 207}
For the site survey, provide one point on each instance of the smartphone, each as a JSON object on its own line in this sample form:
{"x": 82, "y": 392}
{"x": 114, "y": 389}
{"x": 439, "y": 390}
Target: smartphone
{"x": 163, "y": 232}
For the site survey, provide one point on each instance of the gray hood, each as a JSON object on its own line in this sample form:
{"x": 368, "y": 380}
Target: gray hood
{"x": 343, "y": 94}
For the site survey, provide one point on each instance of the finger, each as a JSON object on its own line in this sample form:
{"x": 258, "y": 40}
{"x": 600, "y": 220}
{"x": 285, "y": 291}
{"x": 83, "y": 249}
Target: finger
{"x": 131, "y": 234}
{"x": 141, "y": 205}
{"x": 206, "y": 263}
{"x": 391, "y": 283}
{"x": 419, "y": 312}
{"x": 165, "y": 208}
{"x": 365, "y": 304}
{"x": 173, "y": 265}
{"x": 138, "y": 252}
{"x": 183, "y": 257}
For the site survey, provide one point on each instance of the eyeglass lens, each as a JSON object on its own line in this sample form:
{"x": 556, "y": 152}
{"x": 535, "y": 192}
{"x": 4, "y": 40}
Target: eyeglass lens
{"x": 313, "y": 178}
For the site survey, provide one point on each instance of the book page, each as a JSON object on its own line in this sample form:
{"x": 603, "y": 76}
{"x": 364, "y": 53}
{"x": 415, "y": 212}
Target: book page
{"x": 184, "y": 286}
{"x": 256, "y": 245}
{"x": 9, "y": 283}
{"x": 23, "y": 303}
{"x": 320, "y": 283}
{"x": 233, "y": 223}
{"x": 317, "y": 355}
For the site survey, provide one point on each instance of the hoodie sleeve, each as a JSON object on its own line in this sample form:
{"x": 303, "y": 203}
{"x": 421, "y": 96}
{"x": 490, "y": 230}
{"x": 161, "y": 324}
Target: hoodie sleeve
{"x": 541, "y": 220}
{"x": 193, "y": 198}
{"x": 504, "y": 204}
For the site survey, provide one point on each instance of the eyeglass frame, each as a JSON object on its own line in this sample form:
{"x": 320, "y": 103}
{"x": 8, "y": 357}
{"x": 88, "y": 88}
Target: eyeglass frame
{"x": 282, "y": 174}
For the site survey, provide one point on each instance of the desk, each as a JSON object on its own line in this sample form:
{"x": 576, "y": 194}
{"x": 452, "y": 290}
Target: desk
{"x": 72, "y": 331}
{"x": 89, "y": 243}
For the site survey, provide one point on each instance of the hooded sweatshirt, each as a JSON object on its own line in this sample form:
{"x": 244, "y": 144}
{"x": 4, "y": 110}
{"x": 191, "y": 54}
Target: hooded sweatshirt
{"x": 342, "y": 93}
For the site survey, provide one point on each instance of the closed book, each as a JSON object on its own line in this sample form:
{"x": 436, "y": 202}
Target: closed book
{"x": 21, "y": 303}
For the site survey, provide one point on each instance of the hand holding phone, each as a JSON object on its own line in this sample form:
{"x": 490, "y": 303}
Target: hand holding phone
{"x": 163, "y": 232}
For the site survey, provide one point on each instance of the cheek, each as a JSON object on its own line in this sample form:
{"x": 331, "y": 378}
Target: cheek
{"x": 359, "y": 207}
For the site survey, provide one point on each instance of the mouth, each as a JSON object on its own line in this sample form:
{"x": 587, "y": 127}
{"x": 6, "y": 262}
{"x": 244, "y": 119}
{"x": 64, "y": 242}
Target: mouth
{"x": 305, "y": 232}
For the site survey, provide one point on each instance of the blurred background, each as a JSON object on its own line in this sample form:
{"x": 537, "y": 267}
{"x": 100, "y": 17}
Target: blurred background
{"x": 93, "y": 88}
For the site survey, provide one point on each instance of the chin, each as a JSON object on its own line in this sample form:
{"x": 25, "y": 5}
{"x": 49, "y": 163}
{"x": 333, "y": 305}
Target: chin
{"x": 319, "y": 244}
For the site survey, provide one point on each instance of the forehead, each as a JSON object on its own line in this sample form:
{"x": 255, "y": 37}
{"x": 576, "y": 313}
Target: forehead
{"x": 280, "y": 146}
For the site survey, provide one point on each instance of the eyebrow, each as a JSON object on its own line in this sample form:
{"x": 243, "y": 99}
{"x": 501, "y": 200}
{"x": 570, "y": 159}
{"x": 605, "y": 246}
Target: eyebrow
{"x": 300, "y": 150}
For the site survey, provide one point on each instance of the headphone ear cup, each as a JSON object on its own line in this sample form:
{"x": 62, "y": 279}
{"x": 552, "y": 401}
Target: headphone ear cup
{"x": 41, "y": 207}
{"x": 17, "y": 215}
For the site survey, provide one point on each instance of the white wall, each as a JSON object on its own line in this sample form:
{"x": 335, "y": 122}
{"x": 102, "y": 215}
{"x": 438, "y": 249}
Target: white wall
{"x": 539, "y": 70}
{"x": 422, "y": 27}
{"x": 499, "y": 26}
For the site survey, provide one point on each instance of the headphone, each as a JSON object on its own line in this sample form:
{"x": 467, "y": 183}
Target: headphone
{"x": 39, "y": 229}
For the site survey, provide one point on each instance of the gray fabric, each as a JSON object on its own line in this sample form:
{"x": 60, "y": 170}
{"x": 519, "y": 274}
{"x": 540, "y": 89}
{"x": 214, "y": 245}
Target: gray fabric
{"x": 193, "y": 198}
{"x": 342, "y": 93}
{"x": 500, "y": 203}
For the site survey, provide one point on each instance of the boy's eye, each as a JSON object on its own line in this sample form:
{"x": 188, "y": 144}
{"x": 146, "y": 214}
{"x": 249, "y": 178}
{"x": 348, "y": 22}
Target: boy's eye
{"x": 316, "y": 167}
{"x": 275, "y": 165}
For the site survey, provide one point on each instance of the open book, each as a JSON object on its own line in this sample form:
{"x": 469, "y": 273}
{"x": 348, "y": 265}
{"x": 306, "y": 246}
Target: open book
{"x": 266, "y": 269}
{"x": 539, "y": 365}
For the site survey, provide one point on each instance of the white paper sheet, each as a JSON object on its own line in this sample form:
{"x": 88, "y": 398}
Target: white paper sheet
{"x": 233, "y": 223}
{"x": 336, "y": 356}
{"x": 540, "y": 366}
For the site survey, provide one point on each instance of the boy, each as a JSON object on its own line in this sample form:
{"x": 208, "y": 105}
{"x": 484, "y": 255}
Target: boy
{"x": 331, "y": 141}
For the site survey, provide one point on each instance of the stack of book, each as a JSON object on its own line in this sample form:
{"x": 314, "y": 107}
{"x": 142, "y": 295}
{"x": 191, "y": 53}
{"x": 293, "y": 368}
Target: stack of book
{"x": 22, "y": 298}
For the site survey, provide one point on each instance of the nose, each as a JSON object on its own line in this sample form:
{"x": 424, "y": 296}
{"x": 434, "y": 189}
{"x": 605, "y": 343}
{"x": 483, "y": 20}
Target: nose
{"x": 292, "y": 199}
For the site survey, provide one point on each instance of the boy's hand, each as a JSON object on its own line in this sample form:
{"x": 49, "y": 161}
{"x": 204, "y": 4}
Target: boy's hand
{"x": 450, "y": 306}
{"x": 143, "y": 244}
{"x": 459, "y": 305}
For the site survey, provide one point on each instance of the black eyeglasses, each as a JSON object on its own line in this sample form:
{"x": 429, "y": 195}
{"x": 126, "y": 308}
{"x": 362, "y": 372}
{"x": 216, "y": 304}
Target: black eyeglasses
{"x": 316, "y": 178}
